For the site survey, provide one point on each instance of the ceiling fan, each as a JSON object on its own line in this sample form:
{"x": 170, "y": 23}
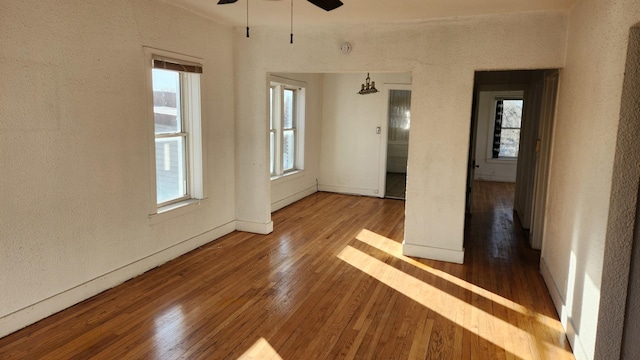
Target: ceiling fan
{"x": 323, "y": 4}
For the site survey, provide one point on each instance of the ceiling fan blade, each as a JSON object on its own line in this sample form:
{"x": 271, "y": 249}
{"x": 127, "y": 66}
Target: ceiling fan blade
{"x": 326, "y": 4}
{"x": 222, "y": 2}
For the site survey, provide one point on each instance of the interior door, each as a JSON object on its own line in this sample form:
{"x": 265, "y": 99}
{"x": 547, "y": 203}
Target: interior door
{"x": 472, "y": 151}
{"x": 398, "y": 126}
{"x": 396, "y": 156}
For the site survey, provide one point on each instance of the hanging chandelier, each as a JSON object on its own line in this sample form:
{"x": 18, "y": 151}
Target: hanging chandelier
{"x": 369, "y": 87}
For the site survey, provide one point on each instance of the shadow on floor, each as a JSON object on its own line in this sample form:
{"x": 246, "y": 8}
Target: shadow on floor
{"x": 396, "y": 186}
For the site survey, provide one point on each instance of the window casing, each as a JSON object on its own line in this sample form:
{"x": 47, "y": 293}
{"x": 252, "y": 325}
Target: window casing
{"x": 286, "y": 127}
{"x": 177, "y": 148}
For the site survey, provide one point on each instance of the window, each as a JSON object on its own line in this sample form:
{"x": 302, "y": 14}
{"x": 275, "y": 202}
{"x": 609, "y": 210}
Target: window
{"x": 286, "y": 119}
{"x": 177, "y": 131}
{"x": 506, "y": 134}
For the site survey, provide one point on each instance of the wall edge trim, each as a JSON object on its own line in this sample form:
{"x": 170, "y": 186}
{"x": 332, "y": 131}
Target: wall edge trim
{"x": 254, "y": 227}
{"x": 349, "y": 190}
{"x": 293, "y": 198}
{"x": 433, "y": 253}
{"x": 567, "y": 323}
{"x": 42, "y": 309}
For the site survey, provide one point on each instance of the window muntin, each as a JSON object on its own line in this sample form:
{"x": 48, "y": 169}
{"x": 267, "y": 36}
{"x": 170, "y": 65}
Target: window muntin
{"x": 285, "y": 116}
{"x": 272, "y": 132}
{"x": 288, "y": 131}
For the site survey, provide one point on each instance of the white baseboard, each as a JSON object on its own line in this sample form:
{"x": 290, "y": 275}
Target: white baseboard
{"x": 496, "y": 178}
{"x": 567, "y": 322}
{"x": 40, "y": 310}
{"x": 292, "y": 198}
{"x": 427, "y": 252}
{"x": 557, "y": 299}
{"x": 254, "y": 227}
{"x": 350, "y": 190}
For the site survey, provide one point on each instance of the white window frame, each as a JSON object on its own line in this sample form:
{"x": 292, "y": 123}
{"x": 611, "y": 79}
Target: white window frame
{"x": 505, "y": 95}
{"x": 193, "y": 130}
{"x": 278, "y": 85}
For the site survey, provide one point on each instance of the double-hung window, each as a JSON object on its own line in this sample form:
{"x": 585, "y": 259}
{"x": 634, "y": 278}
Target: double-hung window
{"x": 177, "y": 130}
{"x": 506, "y": 130}
{"x": 286, "y": 130}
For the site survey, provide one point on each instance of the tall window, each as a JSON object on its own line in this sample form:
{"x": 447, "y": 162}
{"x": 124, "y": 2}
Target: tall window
{"x": 506, "y": 133}
{"x": 286, "y": 118}
{"x": 177, "y": 129}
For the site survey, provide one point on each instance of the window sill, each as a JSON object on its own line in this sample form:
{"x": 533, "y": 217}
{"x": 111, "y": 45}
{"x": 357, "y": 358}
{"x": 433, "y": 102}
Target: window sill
{"x": 287, "y": 176}
{"x": 174, "y": 210}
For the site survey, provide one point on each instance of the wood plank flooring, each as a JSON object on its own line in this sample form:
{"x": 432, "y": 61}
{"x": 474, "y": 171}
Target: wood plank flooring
{"x": 329, "y": 283}
{"x": 396, "y": 185}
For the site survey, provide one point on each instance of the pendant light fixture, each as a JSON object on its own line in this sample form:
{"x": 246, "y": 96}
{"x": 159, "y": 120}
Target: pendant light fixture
{"x": 369, "y": 87}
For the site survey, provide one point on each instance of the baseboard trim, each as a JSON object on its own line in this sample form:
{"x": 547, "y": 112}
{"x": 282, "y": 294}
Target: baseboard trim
{"x": 567, "y": 322}
{"x": 350, "y": 190}
{"x": 494, "y": 177}
{"x": 293, "y": 198}
{"x": 432, "y": 253}
{"x": 56, "y": 303}
{"x": 254, "y": 227}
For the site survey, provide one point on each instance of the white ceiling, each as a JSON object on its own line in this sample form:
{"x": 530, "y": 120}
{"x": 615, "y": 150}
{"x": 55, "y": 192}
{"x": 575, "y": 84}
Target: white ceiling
{"x": 277, "y": 12}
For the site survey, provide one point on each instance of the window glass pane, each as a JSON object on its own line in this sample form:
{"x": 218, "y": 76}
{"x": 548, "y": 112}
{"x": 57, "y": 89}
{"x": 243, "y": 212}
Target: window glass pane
{"x": 509, "y": 142}
{"x": 272, "y": 153}
{"x": 271, "y": 108}
{"x": 288, "y": 150}
{"x": 399, "y": 115}
{"x": 166, "y": 101}
{"x": 288, "y": 109}
{"x": 511, "y": 113}
{"x": 170, "y": 168}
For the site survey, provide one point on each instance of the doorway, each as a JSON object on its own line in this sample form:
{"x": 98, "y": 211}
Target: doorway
{"x": 528, "y": 169}
{"x": 398, "y": 127}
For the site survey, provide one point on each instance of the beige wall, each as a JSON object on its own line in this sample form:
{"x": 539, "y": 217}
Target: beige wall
{"x": 442, "y": 57}
{"x": 582, "y": 168}
{"x": 351, "y": 148}
{"x": 74, "y": 148}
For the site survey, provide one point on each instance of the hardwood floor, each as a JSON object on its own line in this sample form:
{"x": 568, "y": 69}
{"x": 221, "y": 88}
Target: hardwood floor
{"x": 329, "y": 283}
{"x": 396, "y": 185}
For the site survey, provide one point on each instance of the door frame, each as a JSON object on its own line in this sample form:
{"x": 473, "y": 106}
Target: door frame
{"x": 544, "y": 148}
{"x": 384, "y": 131}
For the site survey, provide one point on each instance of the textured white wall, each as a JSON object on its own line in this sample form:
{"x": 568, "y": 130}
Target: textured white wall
{"x": 288, "y": 189}
{"x": 442, "y": 57}
{"x": 491, "y": 169}
{"x": 74, "y": 148}
{"x": 582, "y": 169}
{"x": 621, "y": 235}
{"x": 350, "y": 160}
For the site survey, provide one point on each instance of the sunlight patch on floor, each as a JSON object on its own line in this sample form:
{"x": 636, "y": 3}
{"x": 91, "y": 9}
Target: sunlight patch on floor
{"x": 395, "y": 249}
{"x": 262, "y": 350}
{"x": 461, "y": 313}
